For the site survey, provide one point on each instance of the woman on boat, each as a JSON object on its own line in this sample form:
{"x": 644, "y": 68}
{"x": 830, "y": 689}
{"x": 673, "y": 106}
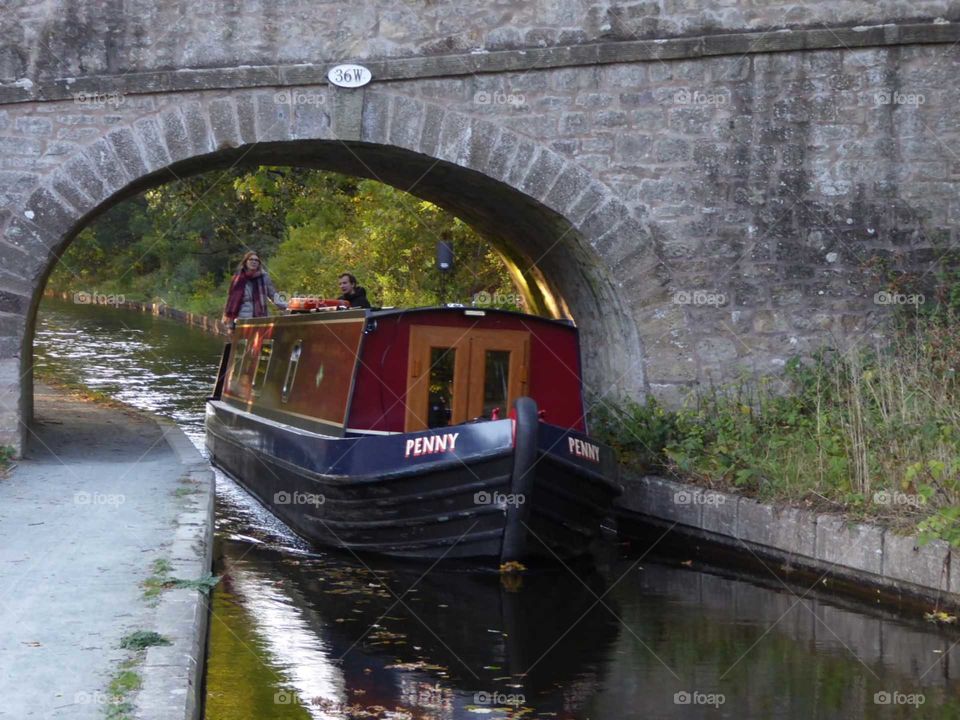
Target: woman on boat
{"x": 249, "y": 291}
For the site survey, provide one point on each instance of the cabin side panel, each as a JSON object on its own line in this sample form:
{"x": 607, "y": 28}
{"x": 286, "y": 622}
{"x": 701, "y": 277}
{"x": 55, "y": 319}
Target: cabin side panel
{"x": 313, "y": 360}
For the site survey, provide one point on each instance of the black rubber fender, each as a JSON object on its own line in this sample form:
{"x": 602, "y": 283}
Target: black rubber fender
{"x": 515, "y": 534}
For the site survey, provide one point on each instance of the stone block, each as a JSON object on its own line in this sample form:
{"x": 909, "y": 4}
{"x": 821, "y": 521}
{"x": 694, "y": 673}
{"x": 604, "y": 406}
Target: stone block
{"x": 224, "y": 123}
{"x": 273, "y": 118}
{"x": 906, "y": 561}
{"x": 407, "y": 122}
{"x": 247, "y": 118}
{"x": 542, "y": 175}
{"x": 197, "y": 127}
{"x": 430, "y": 135}
{"x": 175, "y": 135}
{"x": 589, "y": 200}
{"x": 65, "y": 188}
{"x": 719, "y": 514}
{"x": 376, "y": 115}
{"x": 571, "y": 182}
{"x": 155, "y": 155}
{"x": 521, "y": 161}
{"x": 604, "y": 218}
{"x": 38, "y": 126}
{"x": 45, "y": 210}
{"x": 501, "y": 155}
{"x": 21, "y": 146}
{"x": 859, "y": 547}
{"x": 86, "y": 178}
{"x": 483, "y": 138}
{"x": 674, "y": 502}
{"x": 454, "y": 138}
{"x": 128, "y": 152}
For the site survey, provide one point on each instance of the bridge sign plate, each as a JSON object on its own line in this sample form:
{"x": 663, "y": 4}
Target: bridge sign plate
{"x": 350, "y": 76}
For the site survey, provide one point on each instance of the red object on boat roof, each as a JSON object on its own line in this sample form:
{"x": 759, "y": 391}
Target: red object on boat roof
{"x": 313, "y": 304}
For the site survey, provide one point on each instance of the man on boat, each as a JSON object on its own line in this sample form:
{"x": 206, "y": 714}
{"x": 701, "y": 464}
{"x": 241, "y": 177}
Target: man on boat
{"x": 351, "y": 292}
{"x": 250, "y": 289}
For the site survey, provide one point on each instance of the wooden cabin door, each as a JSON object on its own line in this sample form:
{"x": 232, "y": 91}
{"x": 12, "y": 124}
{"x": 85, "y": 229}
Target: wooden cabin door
{"x": 458, "y": 374}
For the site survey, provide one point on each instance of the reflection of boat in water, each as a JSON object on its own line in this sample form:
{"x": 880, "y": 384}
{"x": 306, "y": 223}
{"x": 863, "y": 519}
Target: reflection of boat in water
{"x": 439, "y": 645}
{"x": 387, "y": 432}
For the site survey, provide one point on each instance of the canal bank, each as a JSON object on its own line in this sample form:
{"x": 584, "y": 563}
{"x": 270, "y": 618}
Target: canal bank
{"x": 108, "y": 507}
{"x": 855, "y": 558}
{"x": 157, "y": 309}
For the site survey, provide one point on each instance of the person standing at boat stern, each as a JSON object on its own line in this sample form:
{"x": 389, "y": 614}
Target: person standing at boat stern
{"x": 249, "y": 291}
{"x": 352, "y": 293}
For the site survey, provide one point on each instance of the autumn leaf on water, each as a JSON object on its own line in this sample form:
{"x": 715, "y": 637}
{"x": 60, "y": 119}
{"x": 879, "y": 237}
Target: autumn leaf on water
{"x": 512, "y": 566}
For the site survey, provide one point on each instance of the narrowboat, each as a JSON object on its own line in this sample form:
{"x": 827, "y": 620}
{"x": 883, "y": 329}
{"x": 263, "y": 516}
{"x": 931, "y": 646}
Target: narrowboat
{"x": 417, "y": 433}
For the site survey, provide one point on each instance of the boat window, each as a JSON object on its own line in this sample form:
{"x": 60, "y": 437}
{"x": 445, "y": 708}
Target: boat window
{"x": 238, "y": 358}
{"x": 496, "y": 381}
{"x": 291, "y": 371}
{"x": 442, "y": 364}
{"x": 263, "y": 363}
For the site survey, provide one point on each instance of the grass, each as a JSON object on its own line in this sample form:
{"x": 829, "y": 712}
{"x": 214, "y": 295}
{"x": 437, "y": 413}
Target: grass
{"x": 123, "y": 683}
{"x": 126, "y": 680}
{"x": 142, "y": 639}
{"x": 161, "y": 580}
{"x": 874, "y": 434}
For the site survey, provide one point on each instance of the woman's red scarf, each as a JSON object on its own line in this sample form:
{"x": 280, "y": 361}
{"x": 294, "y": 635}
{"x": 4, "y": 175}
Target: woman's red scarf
{"x": 235, "y": 296}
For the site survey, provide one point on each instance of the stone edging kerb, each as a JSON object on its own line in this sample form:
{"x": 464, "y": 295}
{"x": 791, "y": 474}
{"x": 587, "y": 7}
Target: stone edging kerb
{"x": 173, "y": 675}
{"x": 624, "y": 51}
{"x": 801, "y": 539}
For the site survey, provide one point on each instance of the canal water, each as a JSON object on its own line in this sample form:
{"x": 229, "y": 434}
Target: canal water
{"x": 301, "y": 633}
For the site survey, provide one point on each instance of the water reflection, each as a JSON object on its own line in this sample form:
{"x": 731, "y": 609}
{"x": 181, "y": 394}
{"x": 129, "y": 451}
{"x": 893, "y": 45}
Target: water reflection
{"x": 360, "y": 635}
{"x": 149, "y": 362}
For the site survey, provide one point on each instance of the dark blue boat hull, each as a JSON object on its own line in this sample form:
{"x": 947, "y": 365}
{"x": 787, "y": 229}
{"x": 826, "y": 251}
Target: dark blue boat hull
{"x": 425, "y": 495}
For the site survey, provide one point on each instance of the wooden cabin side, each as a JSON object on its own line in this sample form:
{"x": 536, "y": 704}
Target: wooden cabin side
{"x": 412, "y": 358}
{"x": 297, "y": 370}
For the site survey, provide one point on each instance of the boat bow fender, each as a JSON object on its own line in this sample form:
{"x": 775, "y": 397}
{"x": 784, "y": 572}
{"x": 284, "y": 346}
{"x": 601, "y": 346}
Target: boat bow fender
{"x": 526, "y": 426}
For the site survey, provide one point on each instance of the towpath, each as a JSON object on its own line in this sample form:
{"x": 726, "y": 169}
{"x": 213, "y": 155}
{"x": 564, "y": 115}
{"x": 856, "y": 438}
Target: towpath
{"x": 102, "y": 493}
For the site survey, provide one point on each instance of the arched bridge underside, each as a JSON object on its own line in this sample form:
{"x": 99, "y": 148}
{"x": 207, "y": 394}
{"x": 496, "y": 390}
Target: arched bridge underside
{"x": 700, "y": 199}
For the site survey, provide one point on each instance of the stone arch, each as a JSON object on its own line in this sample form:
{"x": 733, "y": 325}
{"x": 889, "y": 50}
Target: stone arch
{"x": 533, "y": 203}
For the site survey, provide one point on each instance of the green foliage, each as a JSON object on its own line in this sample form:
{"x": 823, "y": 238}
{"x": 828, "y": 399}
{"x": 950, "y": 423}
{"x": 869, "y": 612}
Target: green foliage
{"x": 944, "y": 525}
{"x": 7, "y": 454}
{"x": 162, "y": 566}
{"x": 871, "y": 432}
{"x": 203, "y": 585}
{"x": 639, "y": 433}
{"x": 125, "y": 681}
{"x": 161, "y": 580}
{"x": 180, "y": 243}
{"x": 142, "y": 639}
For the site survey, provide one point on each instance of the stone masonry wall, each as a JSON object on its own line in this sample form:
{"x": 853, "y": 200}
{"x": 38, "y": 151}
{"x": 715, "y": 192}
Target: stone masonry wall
{"x": 73, "y": 38}
{"x": 774, "y": 183}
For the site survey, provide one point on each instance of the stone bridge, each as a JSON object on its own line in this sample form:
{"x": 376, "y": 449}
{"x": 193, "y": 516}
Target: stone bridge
{"x": 706, "y": 188}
